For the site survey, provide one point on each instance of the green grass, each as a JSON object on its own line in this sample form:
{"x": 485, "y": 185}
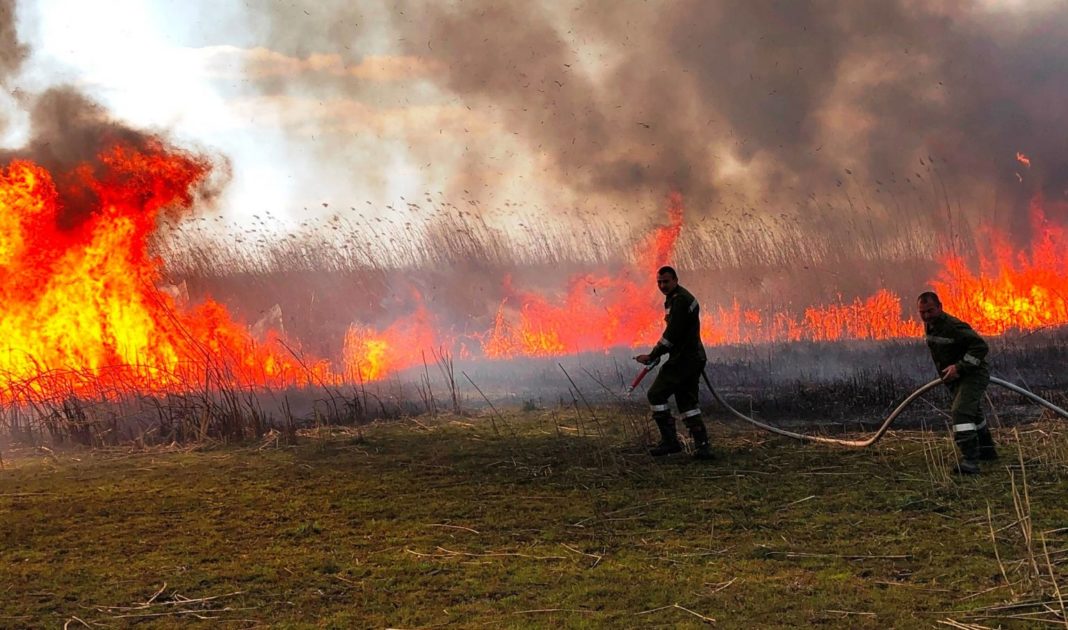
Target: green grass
{"x": 442, "y": 523}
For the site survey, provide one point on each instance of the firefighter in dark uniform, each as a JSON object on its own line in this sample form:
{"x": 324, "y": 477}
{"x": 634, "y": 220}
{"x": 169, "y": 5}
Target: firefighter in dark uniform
{"x": 681, "y": 373}
{"x": 959, "y": 354}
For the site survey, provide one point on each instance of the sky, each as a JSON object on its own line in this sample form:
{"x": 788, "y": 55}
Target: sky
{"x": 824, "y": 112}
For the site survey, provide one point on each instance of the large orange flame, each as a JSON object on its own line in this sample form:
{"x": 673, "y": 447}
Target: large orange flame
{"x": 81, "y": 313}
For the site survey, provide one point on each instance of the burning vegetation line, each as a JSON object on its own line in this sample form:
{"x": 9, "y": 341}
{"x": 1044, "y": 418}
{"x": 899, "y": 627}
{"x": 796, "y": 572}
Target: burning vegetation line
{"x": 78, "y": 283}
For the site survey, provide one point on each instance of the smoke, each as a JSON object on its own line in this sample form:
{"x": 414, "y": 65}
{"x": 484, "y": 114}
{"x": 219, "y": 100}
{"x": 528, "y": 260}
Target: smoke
{"x": 625, "y": 131}
{"x": 906, "y": 115}
{"x": 12, "y": 52}
{"x": 68, "y": 132}
{"x": 794, "y": 92}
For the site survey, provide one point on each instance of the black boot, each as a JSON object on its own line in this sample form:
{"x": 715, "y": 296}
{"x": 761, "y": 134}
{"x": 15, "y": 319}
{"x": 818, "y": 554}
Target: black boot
{"x": 968, "y": 443}
{"x": 987, "y": 451}
{"x": 701, "y": 450}
{"x": 669, "y": 439}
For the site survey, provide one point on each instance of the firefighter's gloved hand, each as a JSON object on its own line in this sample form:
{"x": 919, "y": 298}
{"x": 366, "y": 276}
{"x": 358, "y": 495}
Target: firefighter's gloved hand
{"x": 950, "y": 374}
{"x": 647, "y": 360}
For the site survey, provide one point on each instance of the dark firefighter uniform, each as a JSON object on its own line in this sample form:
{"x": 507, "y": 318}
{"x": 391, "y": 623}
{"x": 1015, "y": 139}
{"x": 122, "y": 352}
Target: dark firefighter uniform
{"x": 954, "y": 342}
{"x": 681, "y": 373}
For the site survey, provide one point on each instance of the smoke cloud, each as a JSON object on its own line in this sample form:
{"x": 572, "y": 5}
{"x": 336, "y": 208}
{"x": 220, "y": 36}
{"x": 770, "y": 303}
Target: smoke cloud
{"x": 68, "y": 131}
{"x": 904, "y": 115}
{"x": 12, "y": 52}
{"x": 793, "y": 93}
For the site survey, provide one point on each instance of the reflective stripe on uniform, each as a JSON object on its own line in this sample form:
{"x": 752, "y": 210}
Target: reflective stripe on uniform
{"x": 937, "y": 339}
{"x": 970, "y": 360}
{"x": 693, "y": 306}
{"x": 967, "y": 426}
{"x": 664, "y": 407}
{"x": 664, "y": 342}
{"x": 691, "y": 413}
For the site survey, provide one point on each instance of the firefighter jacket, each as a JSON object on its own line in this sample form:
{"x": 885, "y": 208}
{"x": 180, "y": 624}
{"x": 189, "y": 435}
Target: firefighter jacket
{"x": 682, "y": 336}
{"x": 953, "y": 342}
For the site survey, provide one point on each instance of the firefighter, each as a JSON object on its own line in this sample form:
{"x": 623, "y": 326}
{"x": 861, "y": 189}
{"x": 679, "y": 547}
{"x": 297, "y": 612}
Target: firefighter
{"x": 959, "y": 354}
{"x": 681, "y": 373}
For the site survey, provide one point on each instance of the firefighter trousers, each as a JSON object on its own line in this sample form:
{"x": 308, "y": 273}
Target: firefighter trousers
{"x": 970, "y": 430}
{"x": 683, "y": 381}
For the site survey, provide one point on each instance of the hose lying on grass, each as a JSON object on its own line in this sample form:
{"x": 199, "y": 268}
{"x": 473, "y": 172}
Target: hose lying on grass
{"x": 886, "y": 423}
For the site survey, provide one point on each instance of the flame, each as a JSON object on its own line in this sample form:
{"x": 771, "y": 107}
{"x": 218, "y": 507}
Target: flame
{"x": 82, "y": 314}
{"x": 1012, "y": 291}
{"x": 1023, "y": 159}
{"x": 80, "y": 304}
{"x": 876, "y": 317}
{"x": 370, "y": 355}
{"x": 658, "y": 247}
{"x": 597, "y": 312}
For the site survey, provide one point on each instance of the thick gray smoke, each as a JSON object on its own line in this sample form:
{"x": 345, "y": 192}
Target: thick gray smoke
{"x": 799, "y": 92}
{"x": 897, "y": 113}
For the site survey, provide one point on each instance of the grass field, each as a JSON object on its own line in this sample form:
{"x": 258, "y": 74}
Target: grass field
{"x": 539, "y": 518}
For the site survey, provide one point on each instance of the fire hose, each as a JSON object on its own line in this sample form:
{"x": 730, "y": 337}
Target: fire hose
{"x": 883, "y": 428}
{"x": 641, "y": 374}
{"x": 873, "y": 438}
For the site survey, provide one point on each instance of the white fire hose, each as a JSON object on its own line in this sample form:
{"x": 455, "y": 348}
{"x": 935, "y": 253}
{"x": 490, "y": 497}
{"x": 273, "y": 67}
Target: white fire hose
{"x": 886, "y": 423}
